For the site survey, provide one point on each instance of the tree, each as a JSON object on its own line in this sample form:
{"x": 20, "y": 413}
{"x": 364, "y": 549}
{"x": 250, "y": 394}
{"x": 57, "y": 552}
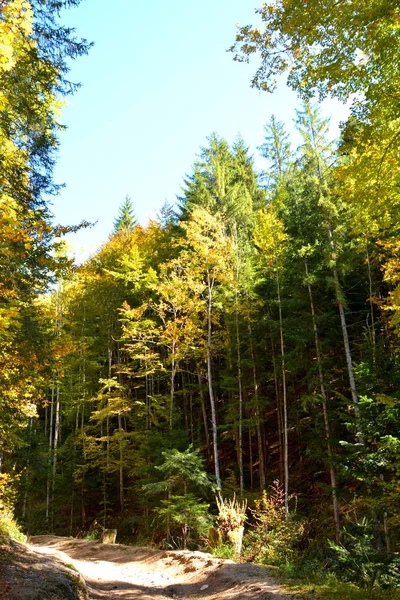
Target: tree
{"x": 337, "y": 49}
{"x": 185, "y": 476}
{"x": 223, "y": 180}
{"x": 270, "y": 239}
{"x": 277, "y": 150}
{"x": 35, "y": 50}
{"x": 126, "y": 220}
{"x": 210, "y": 253}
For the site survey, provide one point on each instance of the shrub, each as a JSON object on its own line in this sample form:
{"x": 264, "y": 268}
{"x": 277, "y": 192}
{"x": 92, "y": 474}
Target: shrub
{"x": 8, "y": 525}
{"x": 231, "y": 514}
{"x": 274, "y": 535}
{"x": 358, "y": 560}
{"x": 186, "y": 514}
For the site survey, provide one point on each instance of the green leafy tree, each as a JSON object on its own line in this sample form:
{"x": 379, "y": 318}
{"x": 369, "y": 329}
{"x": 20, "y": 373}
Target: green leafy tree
{"x": 338, "y": 50}
{"x": 35, "y": 49}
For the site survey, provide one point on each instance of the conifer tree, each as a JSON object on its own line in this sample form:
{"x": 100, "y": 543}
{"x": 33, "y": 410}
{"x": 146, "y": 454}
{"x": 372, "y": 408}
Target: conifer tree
{"x": 126, "y": 220}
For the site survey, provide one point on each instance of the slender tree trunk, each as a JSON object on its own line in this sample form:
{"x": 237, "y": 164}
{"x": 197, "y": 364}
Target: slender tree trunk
{"x": 239, "y": 368}
{"x": 204, "y": 413}
{"x": 240, "y": 390}
{"x": 332, "y": 472}
{"x": 105, "y": 499}
{"x": 258, "y": 417}
{"x": 191, "y": 414}
{"x": 83, "y": 511}
{"x": 25, "y": 502}
{"x": 285, "y": 410}
{"x": 46, "y": 417}
{"x": 279, "y": 416}
{"x": 251, "y": 460}
{"x": 210, "y": 383}
{"x": 371, "y": 307}
{"x": 346, "y": 343}
{"x": 147, "y": 394}
{"x": 55, "y": 449}
{"x": 172, "y": 391}
{"x": 50, "y": 455}
{"x": 121, "y": 432}
{"x": 121, "y": 464}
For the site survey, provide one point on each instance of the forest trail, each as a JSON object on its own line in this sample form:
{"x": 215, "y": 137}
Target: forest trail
{"x": 114, "y": 571}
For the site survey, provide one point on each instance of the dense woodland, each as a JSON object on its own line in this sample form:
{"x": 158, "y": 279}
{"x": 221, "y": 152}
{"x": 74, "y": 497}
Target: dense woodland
{"x": 246, "y": 340}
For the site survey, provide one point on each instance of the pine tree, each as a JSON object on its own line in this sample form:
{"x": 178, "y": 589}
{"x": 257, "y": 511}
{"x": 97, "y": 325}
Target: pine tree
{"x": 126, "y": 220}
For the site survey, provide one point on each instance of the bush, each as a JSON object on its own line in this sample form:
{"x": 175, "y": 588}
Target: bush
{"x": 274, "y": 534}
{"x": 9, "y": 527}
{"x": 358, "y": 560}
{"x": 223, "y": 551}
{"x": 94, "y": 532}
{"x": 188, "y": 516}
{"x": 231, "y": 515}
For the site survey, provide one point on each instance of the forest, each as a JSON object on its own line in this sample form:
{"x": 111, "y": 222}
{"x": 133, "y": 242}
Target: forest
{"x": 237, "y": 357}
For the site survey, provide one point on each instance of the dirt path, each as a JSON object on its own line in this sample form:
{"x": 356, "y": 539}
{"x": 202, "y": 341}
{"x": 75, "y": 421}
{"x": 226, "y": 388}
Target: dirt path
{"x": 124, "y": 572}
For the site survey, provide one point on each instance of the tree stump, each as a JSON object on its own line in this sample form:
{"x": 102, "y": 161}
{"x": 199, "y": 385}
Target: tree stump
{"x": 108, "y": 536}
{"x": 236, "y": 539}
{"x": 214, "y": 538}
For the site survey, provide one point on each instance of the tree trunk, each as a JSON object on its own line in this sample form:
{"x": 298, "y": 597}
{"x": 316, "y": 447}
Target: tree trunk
{"x": 55, "y": 448}
{"x": 210, "y": 282}
{"x": 285, "y": 411}
{"x": 371, "y": 308}
{"x": 260, "y": 448}
{"x": 332, "y": 472}
{"x": 239, "y": 367}
{"x": 172, "y": 391}
{"x": 240, "y": 390}
{"x": 121, "y": 464}
{"x": 50, "y": 454}
{"x": 24, "y": 505}
{"x": 204, "y": 413}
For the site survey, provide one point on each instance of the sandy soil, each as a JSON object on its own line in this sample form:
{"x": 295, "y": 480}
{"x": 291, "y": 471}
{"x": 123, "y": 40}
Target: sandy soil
{"x": 116, "y": 571}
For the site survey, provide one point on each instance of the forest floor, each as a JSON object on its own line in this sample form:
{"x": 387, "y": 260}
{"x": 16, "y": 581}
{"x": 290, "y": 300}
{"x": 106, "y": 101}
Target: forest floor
{"x": 114, "y": 571}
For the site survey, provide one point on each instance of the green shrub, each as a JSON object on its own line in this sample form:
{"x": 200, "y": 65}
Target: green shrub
{"x": 8, "y": 525}
{"x": 358, "y": 560}
{"x": 223, "y": 551}
{"x": 94, "y": 532}
{"x": 188, "y": 516}
{"x": 274, "y": 535}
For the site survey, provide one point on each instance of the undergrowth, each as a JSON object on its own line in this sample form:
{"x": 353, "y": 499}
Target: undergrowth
{"x": 9, "y": 527}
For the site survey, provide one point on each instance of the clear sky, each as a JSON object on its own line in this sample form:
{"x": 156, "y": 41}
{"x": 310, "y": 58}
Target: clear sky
{"x": 157, "y": 82}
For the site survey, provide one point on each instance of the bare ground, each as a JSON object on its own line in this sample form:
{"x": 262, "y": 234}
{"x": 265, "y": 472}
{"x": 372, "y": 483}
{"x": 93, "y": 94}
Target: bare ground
{"x": 114, "y": 571}
{"x": 27, "y": 575}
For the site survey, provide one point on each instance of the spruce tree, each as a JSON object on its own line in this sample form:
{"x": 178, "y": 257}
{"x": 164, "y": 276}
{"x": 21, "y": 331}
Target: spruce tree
{"x": 126, "y": 220}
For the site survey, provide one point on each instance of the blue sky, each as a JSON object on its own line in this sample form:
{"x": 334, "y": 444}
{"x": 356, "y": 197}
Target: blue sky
{"x": 157, "y": 82}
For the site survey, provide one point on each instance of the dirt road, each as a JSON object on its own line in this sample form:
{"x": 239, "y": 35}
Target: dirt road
{"x": 124, "y": 572}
